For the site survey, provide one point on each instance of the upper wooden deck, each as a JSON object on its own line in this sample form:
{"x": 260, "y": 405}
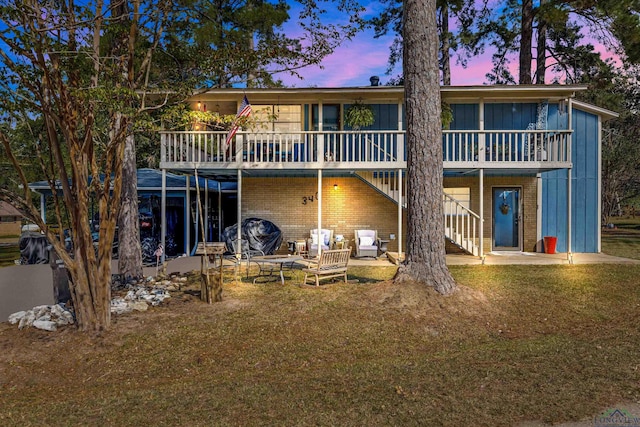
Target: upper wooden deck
{"x": 362, "y": 150}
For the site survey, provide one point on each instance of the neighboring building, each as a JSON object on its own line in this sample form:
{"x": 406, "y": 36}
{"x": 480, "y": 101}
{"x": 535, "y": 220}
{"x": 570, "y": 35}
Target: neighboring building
{"x": 10, "y": 220}
{"x": 507, "y": 156}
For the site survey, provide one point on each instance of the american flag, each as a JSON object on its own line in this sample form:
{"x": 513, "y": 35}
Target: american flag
{"x": 243, "y": 111}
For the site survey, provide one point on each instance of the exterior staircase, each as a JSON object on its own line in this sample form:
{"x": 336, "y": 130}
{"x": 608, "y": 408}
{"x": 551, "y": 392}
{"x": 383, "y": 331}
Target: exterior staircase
{"x": 461, "y": 225}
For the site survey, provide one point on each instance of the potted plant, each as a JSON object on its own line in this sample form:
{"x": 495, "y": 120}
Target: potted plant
{"x": 359, "y": 115}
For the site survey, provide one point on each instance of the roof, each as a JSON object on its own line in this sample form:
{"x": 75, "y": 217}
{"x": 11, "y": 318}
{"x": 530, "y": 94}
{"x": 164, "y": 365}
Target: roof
{"x": 448, "y": 93}
{"x": 594, "y": 109}
{"x": 151, "y": 180}
{"x": 8, "y": 210}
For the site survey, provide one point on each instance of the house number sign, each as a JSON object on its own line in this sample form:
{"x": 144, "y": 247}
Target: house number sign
{"x": 309, "y": 199}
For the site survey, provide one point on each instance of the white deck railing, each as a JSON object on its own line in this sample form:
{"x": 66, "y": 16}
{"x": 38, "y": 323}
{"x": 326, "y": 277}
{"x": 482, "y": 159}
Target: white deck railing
{"x": 361, "y": 149}
{"x": 461, "y": 225}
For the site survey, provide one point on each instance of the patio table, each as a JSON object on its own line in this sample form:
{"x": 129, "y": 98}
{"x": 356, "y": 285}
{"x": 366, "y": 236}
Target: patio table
{"x": 269, "y": 264}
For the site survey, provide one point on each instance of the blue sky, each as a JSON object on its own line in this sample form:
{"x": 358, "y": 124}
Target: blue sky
{"x": 356, "y": 60}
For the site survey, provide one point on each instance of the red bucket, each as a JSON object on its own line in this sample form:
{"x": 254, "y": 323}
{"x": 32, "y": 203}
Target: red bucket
{"x": 550, "y": 244}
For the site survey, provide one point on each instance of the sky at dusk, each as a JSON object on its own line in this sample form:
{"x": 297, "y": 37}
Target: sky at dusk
{"x": 356, "y": 60}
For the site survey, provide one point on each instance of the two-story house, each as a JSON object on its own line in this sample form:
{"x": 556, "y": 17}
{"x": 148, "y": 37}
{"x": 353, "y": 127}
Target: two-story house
{"x": 520, "y": 163}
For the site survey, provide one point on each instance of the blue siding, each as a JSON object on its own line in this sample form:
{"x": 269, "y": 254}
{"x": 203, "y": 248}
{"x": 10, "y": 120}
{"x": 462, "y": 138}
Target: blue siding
{"x": 584, "y": 187}
{"x": 509, "y": 116}
{"x": 385, "y": 117}
{"x": 465, "y": 117}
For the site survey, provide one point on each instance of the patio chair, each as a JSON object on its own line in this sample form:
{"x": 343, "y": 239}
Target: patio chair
{"x": 326, "y": 241}
{"x": 367, "y": 243}
{"x": 245, "y": 255}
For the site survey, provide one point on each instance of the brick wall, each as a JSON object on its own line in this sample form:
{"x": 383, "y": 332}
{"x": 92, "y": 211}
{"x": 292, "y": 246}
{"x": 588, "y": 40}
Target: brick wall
{"x": 529, "y": 202}
{"x": 10, "y": 228}
{"x": 354, "y": 205}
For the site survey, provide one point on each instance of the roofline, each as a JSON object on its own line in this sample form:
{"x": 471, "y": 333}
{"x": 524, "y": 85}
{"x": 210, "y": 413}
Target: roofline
{"x": 448, "y": 93}
{"x": 602, "y": 112}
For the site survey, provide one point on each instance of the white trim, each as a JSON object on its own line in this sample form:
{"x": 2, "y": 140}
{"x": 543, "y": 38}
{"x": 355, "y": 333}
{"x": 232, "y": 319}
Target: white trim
{"x": 239, "y": 214}
{"x": 594, "y": 109}
{"x": 520, "y": 189}
{"x": 163, "y": 212}
{"x": 599, "y": 187}
{"x": 539, "y": 246}
{"x": 481, "y": 231}
{"x": 319, "y": 198}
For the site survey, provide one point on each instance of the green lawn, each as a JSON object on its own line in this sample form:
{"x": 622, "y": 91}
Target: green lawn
{"x": 548, "y": 343}
{"x": 624, "y": 240}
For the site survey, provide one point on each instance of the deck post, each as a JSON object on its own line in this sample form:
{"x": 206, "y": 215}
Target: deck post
{"x": 239, "y": 207}
{"x": 163, "y": 212}
{"x": 319, "y": 230}
{"x": 399, "y": 214}
{"x": 205, "y": 214}
{"x": 569, "y": 173}
{"x": 187, "y": 238}
{"x": 481, "y": 230}
{"x": 219, "y": 210}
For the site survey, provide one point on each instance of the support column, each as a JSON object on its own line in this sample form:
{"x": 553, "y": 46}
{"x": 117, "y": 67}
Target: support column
{"x": 481, "y": 231}
{"x": 239, "y": 207}
{"x": 539, "y": 245}
{"x": 189, "y": 221}
{"x": 319, "y": 230}
{"x": 219, "y": 211}
{"x": 163, "y": 212}
{"x": 569, "y": 198}
{"x": 205, "y": 214}
{"x": 399, "y": 213}
{"x": 569, "y": 172}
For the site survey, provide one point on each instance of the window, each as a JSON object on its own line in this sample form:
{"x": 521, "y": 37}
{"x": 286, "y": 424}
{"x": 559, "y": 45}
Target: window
{"x": 280, "y": 118}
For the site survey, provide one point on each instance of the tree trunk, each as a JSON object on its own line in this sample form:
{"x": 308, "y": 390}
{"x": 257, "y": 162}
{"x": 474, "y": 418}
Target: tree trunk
{"x": 445, "y": 46}
{"x": 541, "y": 50}
{"x": 129, "y": 250}
{"x": 526, "y": 36}
{"x": 425, "y": 260}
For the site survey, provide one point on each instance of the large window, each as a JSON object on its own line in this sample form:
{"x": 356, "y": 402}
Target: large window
{"x": 280, "y": 118}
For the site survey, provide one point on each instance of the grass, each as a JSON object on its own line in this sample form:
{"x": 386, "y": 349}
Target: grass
{"x": 516, "y": 343}
{"x": 624, "y": 240}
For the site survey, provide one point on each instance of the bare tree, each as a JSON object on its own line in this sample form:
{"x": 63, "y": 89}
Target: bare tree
{"x": 425, "y": 260}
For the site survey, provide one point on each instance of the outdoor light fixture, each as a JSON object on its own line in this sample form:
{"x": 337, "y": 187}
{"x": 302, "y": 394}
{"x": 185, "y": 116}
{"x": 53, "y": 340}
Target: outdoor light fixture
{"x": 199, "y": 106}
{"x": 335, "y": 187}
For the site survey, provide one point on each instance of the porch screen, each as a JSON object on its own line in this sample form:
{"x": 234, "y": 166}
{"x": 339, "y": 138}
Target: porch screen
{"x": 278, "y": 118}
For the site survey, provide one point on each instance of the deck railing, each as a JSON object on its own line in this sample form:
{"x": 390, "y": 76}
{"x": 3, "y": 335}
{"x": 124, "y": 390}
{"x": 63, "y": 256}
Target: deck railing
{"x": 461, "y": 225}
{"x": 363, "y": 149}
